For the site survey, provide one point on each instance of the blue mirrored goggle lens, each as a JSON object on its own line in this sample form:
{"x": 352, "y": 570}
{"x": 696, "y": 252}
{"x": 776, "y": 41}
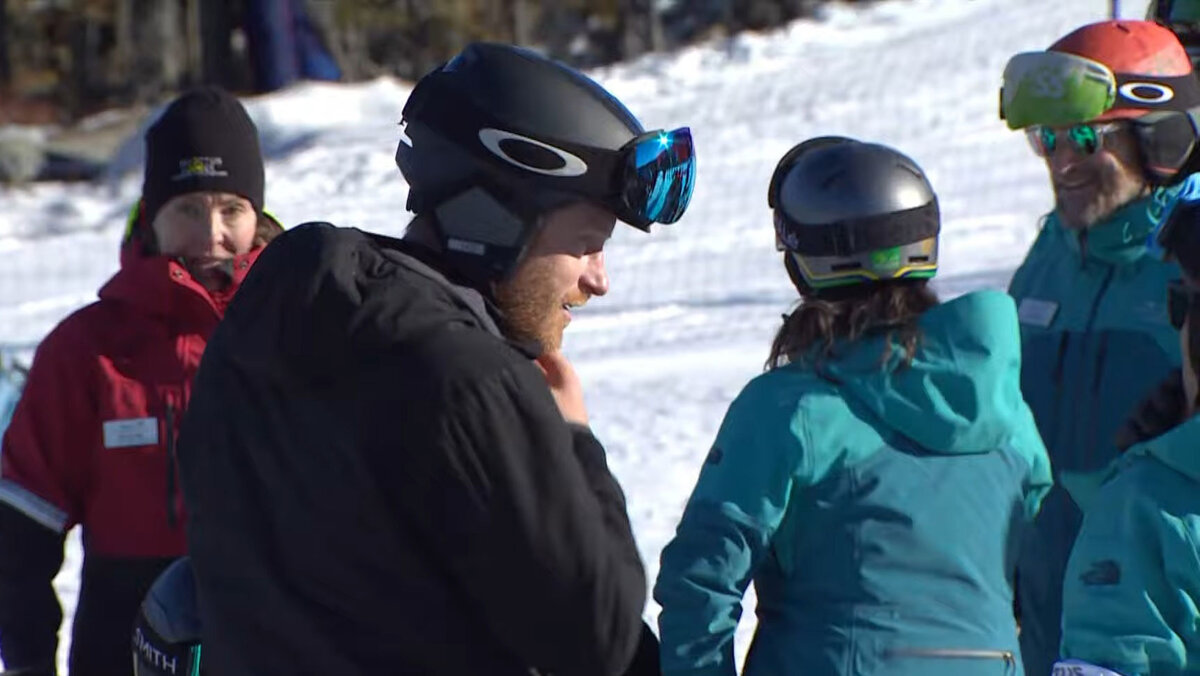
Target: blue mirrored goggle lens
{"x": 660, "y": 175}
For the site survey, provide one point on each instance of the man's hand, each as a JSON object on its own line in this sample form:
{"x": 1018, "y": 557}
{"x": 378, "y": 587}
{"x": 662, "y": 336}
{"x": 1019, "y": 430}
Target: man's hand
{"x": 564, "y": 385}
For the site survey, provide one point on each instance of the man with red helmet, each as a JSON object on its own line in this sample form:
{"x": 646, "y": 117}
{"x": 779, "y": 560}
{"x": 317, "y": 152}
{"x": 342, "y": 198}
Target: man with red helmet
{"x": 1110, "y": 108}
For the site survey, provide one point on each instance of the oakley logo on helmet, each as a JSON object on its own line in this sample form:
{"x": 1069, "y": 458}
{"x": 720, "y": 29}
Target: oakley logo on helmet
{"x": 531, "y": 154}
{"x": 1147, "y": 92}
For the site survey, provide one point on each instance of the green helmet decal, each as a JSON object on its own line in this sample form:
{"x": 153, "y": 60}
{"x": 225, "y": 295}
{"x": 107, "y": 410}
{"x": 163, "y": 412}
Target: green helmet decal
{"x": 886, "y": 259}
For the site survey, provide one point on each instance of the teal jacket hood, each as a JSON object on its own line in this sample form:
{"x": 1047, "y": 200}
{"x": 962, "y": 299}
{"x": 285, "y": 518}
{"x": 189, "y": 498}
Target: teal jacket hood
{"x": 962, "y": 391}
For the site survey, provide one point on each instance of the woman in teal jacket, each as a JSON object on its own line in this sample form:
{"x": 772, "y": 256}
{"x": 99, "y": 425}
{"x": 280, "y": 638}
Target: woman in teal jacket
{"x": 875, "y": 482}
{"x": 1131, "y": 593}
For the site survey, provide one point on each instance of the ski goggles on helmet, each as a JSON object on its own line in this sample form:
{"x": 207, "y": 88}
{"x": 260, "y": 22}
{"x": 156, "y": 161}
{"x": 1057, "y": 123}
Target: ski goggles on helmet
{"x": 1056, "y": 89}
{"x": 648, "y": 180}
{"x": 657, "y": 174}
{"x": 1085, "y": 139}
{"x": 1059, "y": 89}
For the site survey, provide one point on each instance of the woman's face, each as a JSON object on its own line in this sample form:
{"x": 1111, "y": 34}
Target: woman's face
{"x": 206, "y": 229}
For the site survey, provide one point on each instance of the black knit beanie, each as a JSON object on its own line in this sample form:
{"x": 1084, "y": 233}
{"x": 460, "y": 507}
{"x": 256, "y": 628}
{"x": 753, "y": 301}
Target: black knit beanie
{"x": 204, "y": 142}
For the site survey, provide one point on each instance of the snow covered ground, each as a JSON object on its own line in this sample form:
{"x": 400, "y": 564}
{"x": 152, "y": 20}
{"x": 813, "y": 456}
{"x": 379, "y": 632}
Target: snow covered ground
{"x": 693, "y": 306}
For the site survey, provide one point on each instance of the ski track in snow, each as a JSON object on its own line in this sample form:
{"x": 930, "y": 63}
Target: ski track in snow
{"x": 693, "y": 306}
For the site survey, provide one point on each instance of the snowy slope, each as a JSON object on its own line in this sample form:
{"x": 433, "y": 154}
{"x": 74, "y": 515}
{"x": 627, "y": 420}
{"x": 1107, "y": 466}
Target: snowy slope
{"x": 693, "y": 305}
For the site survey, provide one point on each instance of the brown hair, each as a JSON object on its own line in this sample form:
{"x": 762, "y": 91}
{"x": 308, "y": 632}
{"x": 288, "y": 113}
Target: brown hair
{"x": 849, "y": 313}
{"x": 266, "y": 230}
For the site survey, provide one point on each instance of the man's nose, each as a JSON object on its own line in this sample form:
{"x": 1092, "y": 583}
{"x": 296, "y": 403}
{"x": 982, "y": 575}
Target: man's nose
{"x": 1065, "y": 156}
{"x": 218, "y": 234}
{"x": 595, "y": 278}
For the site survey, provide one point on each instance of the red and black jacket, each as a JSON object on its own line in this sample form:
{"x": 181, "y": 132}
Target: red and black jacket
{"x": 92, "y": 443}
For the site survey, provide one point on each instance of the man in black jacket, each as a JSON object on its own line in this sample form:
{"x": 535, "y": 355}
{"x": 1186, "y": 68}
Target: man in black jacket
{"x": 387, "y": 459}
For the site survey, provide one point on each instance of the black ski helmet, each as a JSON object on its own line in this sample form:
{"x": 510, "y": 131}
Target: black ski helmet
{"x": 848, "y": 212}
{"x": 500, "y": 135}
{"x": 167, "y": 630}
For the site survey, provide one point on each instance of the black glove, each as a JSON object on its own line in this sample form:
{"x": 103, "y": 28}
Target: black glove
{"x": 1157, "y": 413}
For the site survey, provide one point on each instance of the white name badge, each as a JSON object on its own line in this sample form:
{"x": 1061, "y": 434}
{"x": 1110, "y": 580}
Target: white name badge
{"x": 1037, "y": 312}
{"x": 130, "y": 432}
{"x": 1080, "y": 668}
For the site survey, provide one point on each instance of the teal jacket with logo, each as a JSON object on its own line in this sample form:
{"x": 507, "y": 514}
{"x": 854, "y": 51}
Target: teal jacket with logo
{"x": 1096, "y": 339}
{"x": 877, "y": 509}
{"x": 1131, "y": 595}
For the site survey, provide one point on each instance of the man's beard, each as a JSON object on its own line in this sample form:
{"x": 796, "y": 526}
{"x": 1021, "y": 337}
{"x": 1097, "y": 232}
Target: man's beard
{"x": 1108, "y": 188}
{"x": 532, "y": 305}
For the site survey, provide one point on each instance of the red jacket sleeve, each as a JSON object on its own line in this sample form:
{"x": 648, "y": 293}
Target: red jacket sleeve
{"x": 44, "y": 462}
{"x": 46, "y": 450}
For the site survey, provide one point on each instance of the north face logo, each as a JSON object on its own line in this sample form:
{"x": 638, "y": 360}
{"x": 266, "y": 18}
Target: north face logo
{"x": 1104, "y": 573}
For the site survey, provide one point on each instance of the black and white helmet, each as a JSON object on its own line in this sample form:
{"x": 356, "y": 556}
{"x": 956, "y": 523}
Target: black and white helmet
{"x": 167, "y": 630}
{"x": 500, "y": 135}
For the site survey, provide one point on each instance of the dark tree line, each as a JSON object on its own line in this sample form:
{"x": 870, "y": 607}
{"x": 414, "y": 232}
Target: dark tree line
{"x": 85, "y": 55}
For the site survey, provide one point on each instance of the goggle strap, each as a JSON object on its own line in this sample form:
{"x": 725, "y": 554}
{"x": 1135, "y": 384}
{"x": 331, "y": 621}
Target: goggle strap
{"x": 844, "y": 238}
{"x": 1183, "y": 91}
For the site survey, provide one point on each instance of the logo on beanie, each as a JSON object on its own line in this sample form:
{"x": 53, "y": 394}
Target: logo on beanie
{"x": 196, "y": 167}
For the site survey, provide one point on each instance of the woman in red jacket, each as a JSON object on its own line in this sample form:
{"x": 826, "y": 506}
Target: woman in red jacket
{"x": 92, "y": 439}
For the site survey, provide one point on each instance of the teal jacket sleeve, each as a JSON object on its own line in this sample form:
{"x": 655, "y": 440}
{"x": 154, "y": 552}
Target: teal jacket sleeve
{"x": 1041, "y": 478}
{"x": 1132, "y": 584}
{"x": 738, "y": 503}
